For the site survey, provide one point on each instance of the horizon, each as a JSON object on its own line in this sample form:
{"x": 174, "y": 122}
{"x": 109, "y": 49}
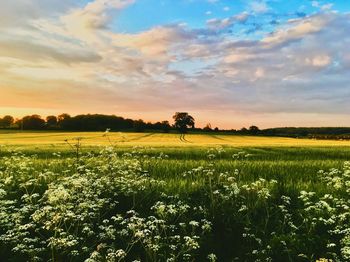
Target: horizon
{"x": 268, "y": 63}
{"x": 201, "y": 126}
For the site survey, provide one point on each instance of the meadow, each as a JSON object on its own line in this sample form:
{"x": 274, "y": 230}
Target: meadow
{"x": 156, "y": 197}
{"x": 32, "y": 139}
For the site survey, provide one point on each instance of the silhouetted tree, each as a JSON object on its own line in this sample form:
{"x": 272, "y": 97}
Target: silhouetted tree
{"x": 165, "y": 126}
{"x": 63, "y": 117}
{"x": 162, "y": 126}
{"x": 254, "y": 130}
{"x": 99, "y": 122}
{"x": 183, "y": 121}
{"x": 18, "y": 123}
{"x": 243, "y": 130}
{"x": 33, "y": 122}
{"x": 63, "y": 121}
{"x": 6, "y": 121}
{"x": 208, "y": 128}
{"x": 51, "y": 121}
{"x": 139, "y": 125}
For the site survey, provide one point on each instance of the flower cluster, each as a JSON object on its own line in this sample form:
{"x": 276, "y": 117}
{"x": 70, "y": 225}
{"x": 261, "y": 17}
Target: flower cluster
{"x": 87, "y": 210}
{"x": 109, "y": 206}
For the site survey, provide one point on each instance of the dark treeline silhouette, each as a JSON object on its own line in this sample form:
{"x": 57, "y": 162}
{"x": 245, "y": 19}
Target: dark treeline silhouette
{"x": 182, "y": 121}
{"x": 336, "y": 133}
{"x": 6, "y": 121}
{"x": 89, "y": 122}
{"x": 311, "y": 132}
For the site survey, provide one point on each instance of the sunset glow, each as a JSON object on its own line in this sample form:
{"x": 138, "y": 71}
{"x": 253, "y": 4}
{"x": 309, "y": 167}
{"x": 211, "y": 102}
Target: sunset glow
{"x": 228, "y": 63}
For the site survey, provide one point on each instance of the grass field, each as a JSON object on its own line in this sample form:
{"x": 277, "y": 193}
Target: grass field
{"x": 57, "y": 139}
{"x": 154, "y": 197}
{"x": 155, "y": 139}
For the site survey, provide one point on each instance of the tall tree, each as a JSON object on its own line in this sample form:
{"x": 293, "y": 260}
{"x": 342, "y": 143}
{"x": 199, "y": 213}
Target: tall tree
{"x": 63, "y": 117}
{"x": 165, "y": 126}
{"x": 51, "y": 121}
{"x": 6, "y": 121}
{"x": 139, "y": 125}
{"x": 33, "y": 122}
{"x": 183, "y": 121}
{"x": 207, "y": 128}
{"x": 254, "y": 130}
{"x": 63, "y": 120}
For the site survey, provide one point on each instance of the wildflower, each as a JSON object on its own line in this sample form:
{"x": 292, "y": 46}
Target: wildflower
{"x": 120, "y": 253}
{"x": 212, "y": 257}
{"x": 191, "y": 242}
{"x": 194, "y": 223}
{"x": 59, "y": 194}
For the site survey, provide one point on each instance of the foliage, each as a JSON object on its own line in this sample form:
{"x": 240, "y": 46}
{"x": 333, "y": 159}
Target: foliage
{"x": 6, "y": 121}
{"x": 183, "y": 121}
{"x": 117, "y": 205}
{"x": 33, "y": 122}
{"x": 51, "y": 122}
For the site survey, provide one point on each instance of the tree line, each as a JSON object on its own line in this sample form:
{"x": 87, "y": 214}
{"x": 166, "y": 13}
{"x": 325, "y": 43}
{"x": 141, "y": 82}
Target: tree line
{"x": 99, "y": 122}
{"x": 182, "y": 123}
{"x": 88, "y": 122}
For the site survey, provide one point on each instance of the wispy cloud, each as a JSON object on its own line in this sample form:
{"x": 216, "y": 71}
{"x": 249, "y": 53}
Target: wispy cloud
{"x": 63, "y": 56}
{"x": 259, "y": 6}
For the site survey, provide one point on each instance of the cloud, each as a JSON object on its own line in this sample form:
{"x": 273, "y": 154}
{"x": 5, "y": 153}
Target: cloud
{"x": 73, "y": 58}
{"x": 299, "y": 28}
{"x": 242, "y": 17}
{"x": 325, "y": 7}
{"x": 155, "y": 42}
{"x": 95, "y": 15}
{"x": 27, "y": 50}
{"x": 292, "y": 69}
{"x": 259, "y": 7}
{"x": 219, "y": 24}
{"x": 319, "y": 61}
{"x": 315, "y": 3}
{"x": 18, "y": 13}
{"x": 87, "y": 23}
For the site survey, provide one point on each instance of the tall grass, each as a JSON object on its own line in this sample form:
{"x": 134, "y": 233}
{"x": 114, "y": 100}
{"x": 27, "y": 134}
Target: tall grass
{"x": 174, "y": 204}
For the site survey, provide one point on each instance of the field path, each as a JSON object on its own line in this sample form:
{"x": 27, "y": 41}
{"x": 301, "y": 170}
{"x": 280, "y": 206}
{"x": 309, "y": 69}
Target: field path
{"x": 217, "y": 137}
{"x": 183, "y": 139}
{"x": 141, "y": 137}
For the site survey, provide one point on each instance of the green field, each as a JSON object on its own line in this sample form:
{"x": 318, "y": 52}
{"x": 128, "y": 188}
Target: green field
{"x": 154, "y": 197}
{"x": 57, "y": 139}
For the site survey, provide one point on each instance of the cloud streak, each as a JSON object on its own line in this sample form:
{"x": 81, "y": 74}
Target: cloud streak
{"x": 74, "y": 60}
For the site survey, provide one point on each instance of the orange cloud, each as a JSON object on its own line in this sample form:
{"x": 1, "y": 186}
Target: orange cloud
{"x": 72, "y": 62}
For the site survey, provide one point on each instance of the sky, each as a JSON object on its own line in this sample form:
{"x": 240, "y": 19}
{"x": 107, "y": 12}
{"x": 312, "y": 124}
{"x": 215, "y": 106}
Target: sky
{"x": 231, "y": 63}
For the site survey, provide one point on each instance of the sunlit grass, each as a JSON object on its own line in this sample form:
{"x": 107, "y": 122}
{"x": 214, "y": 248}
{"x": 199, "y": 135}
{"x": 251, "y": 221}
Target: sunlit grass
{"x": 57, "y": 139}
{"x": 250, "y": 193}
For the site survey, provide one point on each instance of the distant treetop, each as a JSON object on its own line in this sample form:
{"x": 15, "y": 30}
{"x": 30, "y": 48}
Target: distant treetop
{"x": 183, "y": 121}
